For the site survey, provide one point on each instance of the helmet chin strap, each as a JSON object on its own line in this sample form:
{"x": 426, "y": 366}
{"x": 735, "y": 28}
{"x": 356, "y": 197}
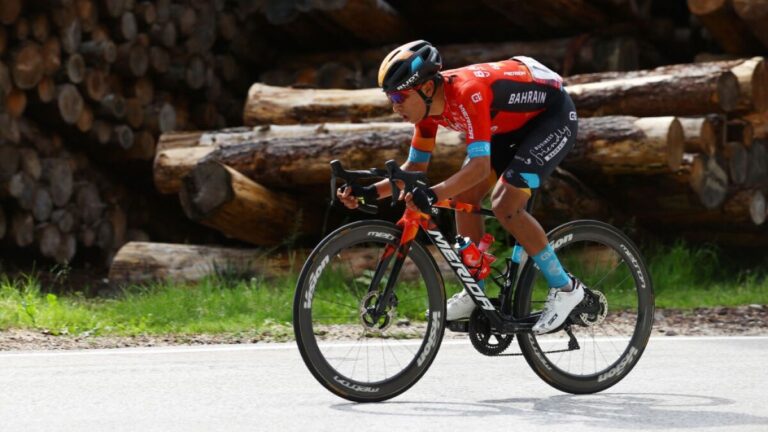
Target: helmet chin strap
{"x": 427, "y": 102}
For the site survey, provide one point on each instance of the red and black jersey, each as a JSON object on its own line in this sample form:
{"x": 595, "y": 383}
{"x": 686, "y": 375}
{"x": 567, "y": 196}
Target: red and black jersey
{"x": 489, "y": 98}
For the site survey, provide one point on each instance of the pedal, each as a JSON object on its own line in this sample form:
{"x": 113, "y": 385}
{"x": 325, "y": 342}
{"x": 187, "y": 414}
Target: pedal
{"x": 458, "y": 326}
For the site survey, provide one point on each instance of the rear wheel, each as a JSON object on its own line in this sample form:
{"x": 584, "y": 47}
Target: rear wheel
{"x": 351, "y": 351}
{"x": 606, "y": 334}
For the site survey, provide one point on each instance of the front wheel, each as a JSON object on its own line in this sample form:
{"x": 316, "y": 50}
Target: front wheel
{"x": 605, "y": 336}
{"x": 353, "y": 352}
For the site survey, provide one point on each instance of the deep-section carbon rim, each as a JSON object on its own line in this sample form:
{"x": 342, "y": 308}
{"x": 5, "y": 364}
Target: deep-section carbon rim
{"x": 377, "y": 358}
{"x": 610, "y": 342}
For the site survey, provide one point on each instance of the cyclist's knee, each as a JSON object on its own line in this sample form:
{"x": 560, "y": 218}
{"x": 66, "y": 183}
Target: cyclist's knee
{"x": 509, "y": 202}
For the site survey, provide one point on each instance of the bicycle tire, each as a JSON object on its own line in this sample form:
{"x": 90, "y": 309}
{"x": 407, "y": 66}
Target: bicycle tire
{"x": 309, "y": 286}
{"x": 566, "y": 238}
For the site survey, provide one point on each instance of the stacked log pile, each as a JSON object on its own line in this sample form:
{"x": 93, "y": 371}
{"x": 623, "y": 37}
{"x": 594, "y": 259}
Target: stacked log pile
{"x": 55, "y": 202}
{"x": 103, "y": 79}
{"x": 103, "y": 86}
{"x": 700, "y": 154}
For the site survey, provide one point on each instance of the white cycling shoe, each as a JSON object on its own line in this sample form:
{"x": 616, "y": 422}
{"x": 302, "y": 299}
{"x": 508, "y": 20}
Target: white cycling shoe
{"x": 558, "y": 306}
{"x": 459, "y": 307}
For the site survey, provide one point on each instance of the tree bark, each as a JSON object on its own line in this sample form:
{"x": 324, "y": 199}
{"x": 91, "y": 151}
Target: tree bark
{"x": 720, "y": 19}
{"x": 140, "y": 262}
{"x": 750, "y": 73}
{"x": 143, "y": 262}
{"x": 666, "y": 94}
{"x": 276, "y": 105}
{"x": 621, "y": 144}
{"x": 276, "y": 162}
{"x": 220, "y": 197}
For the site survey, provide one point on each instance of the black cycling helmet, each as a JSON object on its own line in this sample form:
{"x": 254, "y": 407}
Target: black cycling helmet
{"x": 410, "y": 65}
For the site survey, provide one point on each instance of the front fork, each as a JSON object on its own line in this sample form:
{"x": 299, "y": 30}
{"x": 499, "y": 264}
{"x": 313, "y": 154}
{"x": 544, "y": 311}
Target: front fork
{"x": 410, "y": 223}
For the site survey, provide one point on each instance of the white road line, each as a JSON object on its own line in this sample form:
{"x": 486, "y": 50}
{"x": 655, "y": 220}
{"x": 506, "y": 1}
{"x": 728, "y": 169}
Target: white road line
{"x": 292, "y": 346}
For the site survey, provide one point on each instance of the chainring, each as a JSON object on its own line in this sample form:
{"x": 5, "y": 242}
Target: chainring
{"x": 483, "y": 338}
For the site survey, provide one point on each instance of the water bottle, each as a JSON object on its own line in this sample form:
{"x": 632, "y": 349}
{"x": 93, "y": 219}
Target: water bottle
{"x": 468, "y": 251}
{"x": 485, "y": 242}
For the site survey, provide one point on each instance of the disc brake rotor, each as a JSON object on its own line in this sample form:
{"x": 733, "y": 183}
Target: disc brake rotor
{"x": 367, "y": 306}
{"x": 593, "y": 319}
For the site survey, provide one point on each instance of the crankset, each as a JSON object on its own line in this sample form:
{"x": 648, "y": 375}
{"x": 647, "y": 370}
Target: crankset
{"x": 484, "y": 338}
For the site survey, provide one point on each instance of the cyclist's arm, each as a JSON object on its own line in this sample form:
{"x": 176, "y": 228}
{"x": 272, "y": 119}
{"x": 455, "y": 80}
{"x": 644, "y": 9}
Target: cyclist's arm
{"x": 475, "y": 171}
{"x": 422, "y": 145}
{"x": 477, "y": 111}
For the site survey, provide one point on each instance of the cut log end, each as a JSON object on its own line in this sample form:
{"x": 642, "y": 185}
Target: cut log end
{"x": 70, "y": 103}
{"x": 205, "y": 189}
{"x": 728, "y": 91}
{"x": 757, "y": 208}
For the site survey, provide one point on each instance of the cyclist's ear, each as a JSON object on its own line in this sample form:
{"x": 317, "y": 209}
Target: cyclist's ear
{"x": 429, "y": 88}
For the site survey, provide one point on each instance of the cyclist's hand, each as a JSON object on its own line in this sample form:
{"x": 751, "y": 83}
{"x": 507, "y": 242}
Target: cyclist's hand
{"x": 420, "y": 199}
{"x": 344, "y": 194}
{"x": 352, "y": 196}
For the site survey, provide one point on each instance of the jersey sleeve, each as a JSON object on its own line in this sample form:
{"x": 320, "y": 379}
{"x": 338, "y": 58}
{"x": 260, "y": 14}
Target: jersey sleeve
{"x": 476, "y": 108}
{"x": 423, "y": 141}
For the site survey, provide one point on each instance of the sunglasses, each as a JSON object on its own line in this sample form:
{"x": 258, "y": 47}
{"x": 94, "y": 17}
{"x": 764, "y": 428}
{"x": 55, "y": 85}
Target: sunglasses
{"x": 400, "y": 96}
{"x": 397, "y": 97}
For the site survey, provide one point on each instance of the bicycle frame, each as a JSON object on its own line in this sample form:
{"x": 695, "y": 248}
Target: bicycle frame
{"x": 413, "y": 221}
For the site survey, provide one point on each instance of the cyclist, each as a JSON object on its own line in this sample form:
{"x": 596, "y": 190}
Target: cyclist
{"x": 519, "y": 124}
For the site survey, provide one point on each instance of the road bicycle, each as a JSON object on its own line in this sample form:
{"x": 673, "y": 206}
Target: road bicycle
{"x": 378, "y": 283}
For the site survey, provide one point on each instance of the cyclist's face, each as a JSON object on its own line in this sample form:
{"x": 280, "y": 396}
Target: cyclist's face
{"x": 408, "y": 104}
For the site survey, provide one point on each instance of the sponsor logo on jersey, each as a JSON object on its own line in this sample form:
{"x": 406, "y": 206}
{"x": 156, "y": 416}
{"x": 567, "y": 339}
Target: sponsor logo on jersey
{"x": 482, "y": 74}
{"x": 551, "y": 145}
{"x": 477, "y": 97}
{"x": 470, "y": 129}
{"x": 515, "y": 73}
{"x": 528, "y": 97}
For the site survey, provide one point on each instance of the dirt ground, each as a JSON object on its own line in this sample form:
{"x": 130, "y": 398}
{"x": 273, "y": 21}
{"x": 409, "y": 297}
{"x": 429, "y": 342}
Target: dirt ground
{"x": 749, "y": 320}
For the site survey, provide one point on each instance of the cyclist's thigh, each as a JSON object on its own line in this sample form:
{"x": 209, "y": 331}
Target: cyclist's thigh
{"x": 543, "y": 147}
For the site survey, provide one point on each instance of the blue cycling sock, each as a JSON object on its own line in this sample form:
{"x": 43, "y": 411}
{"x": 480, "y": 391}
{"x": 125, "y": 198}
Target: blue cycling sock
{"x": 551, "y": 268}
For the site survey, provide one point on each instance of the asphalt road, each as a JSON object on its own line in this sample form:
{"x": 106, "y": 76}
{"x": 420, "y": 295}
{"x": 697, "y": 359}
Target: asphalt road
{"x": 680, "y": 384}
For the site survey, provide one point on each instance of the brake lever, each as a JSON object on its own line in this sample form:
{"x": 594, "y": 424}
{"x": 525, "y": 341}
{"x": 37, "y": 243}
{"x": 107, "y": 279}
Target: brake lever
{"x": 391, "y": 168}
{"x": 337, "y": 170}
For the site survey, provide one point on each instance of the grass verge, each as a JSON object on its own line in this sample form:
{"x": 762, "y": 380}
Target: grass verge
{"x": 684, "y": 278}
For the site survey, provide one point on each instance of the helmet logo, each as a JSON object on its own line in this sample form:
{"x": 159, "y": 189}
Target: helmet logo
{"x": 409, "y": 82}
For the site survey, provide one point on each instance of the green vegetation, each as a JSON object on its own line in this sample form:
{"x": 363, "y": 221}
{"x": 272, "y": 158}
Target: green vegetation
{"x": 683, "y": 278}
